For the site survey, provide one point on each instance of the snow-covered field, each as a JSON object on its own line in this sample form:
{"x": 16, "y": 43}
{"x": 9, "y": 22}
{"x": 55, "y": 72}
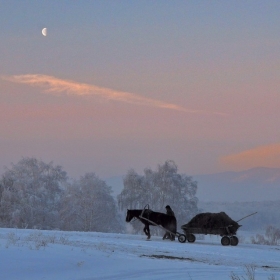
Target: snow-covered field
{"x": 34, "y": 254}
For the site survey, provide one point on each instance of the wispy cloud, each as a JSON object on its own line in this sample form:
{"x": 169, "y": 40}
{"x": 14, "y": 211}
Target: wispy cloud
{"x": 267, "y": 156}
{"x": 54, "y": 85}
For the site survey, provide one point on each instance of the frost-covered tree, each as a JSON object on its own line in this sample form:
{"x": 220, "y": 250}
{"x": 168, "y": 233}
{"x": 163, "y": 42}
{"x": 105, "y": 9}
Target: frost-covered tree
{"x": 272, "y": 237}
{"x": 132, "y": 194}
{"x": 31, "y": 192}
{"x": 89, "y": 206}
{"x": 159, "y": 188}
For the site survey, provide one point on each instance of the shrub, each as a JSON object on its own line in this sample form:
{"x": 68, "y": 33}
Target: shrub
{"x": 272, "y": 237}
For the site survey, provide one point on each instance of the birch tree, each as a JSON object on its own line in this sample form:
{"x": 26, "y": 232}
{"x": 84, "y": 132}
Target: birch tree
{"x": 164, "y": 186}
{"x": 31, "y": 192}
{"x": 89, "y": 206}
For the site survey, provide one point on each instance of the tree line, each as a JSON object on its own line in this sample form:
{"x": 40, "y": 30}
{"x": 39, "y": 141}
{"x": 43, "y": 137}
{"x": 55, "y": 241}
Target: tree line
{"x": 35, "y": 194}
{"x": 164, "y": 186}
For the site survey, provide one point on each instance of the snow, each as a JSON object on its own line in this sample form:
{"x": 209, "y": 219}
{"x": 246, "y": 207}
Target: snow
{"x": 35, "y": 255}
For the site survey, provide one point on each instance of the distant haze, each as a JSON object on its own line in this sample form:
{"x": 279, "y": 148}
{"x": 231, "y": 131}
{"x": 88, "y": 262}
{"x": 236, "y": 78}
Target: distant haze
{"x": 256, "y": 184}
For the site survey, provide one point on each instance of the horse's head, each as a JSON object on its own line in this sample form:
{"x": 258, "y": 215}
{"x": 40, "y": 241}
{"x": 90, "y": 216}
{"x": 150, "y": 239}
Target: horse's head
{"x": 129, "y": 216}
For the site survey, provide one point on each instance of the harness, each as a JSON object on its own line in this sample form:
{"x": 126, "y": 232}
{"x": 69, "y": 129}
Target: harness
{"x": 146, "y": 210}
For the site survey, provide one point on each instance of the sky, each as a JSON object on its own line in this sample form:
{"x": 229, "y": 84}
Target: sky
{"x": 121, "y": 84}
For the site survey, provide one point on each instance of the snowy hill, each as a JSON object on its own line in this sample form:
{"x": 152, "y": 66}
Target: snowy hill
{"x": 56, "y": 255}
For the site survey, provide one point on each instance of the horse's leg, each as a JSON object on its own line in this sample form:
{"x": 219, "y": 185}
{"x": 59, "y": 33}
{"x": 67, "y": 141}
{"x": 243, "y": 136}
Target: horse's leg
{"x": 147, "y": 231}
{"x": 166, "y": 235}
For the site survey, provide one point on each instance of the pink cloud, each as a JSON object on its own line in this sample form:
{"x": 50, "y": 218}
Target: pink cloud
{"x": 266, "y": 156}
{"x": 54, "y": 85}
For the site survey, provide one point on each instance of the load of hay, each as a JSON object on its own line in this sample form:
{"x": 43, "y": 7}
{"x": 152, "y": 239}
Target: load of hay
{"x": 216, "y": 223}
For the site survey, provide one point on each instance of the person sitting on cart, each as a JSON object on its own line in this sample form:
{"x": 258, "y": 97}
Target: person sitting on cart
{"x": 167, "y": 234}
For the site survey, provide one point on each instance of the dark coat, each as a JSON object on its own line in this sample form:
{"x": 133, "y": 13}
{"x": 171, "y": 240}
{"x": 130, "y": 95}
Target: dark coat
{"x": 170, "y": 212}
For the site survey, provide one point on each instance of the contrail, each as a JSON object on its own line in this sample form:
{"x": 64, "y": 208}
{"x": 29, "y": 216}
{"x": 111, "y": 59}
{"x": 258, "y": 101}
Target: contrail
{"x": 55, "y": 85}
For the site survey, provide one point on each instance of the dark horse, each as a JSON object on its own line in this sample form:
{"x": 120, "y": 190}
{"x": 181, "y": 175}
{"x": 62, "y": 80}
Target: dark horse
{"x": 161, "y": 219}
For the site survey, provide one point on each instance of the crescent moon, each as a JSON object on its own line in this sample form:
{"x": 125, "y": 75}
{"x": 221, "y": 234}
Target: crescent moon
{"x": 44, "y": 31}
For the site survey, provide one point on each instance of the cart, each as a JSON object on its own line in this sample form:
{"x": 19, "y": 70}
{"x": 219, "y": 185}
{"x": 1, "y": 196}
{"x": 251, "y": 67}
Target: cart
{"x": 213, "y": 223}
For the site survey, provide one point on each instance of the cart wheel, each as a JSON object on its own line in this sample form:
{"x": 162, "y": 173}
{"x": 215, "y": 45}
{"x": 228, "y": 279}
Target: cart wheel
{"x": 191, "y": 238}
{"x": 182, "y": 238}
{"x": 225, "y": 241}
{"x": 234, "y": 240}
